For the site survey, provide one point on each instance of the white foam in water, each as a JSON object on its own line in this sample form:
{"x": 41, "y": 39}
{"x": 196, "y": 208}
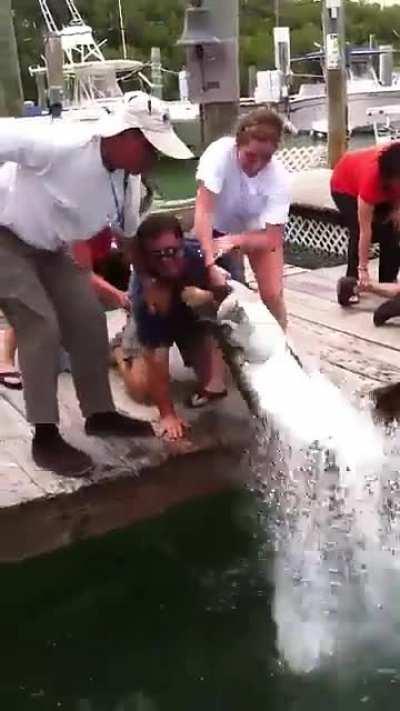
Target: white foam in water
{"x": 334, "y": 569}
{"x": 310, "y": 408}
{"x": 331, "y": 481}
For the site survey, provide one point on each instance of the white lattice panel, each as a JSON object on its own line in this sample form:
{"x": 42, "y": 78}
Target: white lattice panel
{"x": 315, "y": 234}
{"x": 320, "y": 236}
{"x": 296, "y": 159}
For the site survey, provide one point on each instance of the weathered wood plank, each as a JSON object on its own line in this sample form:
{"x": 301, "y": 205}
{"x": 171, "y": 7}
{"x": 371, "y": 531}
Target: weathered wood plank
{"x": 322, "y": 283}
{"x": 16, "y": 487}
{"x": 332, "y": 274}
{"x": 381, "y": 363}
{"x": 347, "y": 371}
{"x": 352, "y": 322}
{"x": 12, "y": 422}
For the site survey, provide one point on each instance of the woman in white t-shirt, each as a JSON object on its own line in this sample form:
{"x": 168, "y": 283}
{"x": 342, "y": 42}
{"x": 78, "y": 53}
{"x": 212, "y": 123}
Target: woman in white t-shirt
{"x": 243, "y": 203}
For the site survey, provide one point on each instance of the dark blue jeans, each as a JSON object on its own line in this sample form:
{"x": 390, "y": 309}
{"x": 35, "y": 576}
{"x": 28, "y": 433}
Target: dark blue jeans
{"x": 383, "y": 232}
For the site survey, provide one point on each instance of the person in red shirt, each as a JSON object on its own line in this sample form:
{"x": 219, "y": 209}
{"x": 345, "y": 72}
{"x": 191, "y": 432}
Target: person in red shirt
{"x": 365, "y": 186}
{"x": 109, "y": 271}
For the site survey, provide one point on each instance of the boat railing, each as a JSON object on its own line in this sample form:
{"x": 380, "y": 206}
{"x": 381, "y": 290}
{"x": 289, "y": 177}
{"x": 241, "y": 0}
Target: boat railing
{"x": 385, "y": 122}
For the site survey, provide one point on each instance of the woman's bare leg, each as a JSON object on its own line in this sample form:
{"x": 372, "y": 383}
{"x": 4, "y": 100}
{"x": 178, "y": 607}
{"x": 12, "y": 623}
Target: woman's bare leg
{"x": 268, "y": 270}
{"x": 135, "y": 375}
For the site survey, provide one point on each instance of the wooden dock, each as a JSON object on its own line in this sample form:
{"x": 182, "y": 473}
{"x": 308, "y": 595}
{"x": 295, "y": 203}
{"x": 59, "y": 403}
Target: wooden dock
{"x": 139, "y": 479}
{"x": 133, "y": 478}
{"x": 349, "y": 348}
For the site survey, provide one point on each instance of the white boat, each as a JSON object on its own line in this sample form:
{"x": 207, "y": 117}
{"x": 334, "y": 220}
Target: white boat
{"x": 307, "y": 109}
{"x": 92, "y": 84}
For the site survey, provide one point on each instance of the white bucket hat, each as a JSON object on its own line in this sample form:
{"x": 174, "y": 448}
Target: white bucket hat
{"x": 150, "y": 115}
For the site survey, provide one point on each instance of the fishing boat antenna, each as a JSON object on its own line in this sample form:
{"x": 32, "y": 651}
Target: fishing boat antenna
{"x": 122, "y": 29}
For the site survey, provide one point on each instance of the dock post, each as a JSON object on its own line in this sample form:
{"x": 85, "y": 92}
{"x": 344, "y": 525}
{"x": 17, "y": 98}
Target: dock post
{"x": 55, "y": 77}
{"x": 386, "y": 64}
{"x": 156, "y": 75}
{"x": 252, "y": 80}
{"x": 11, "y": 95}
{"x": 220, "y": 117}
{"x": 211, "y": 39}
{"x": 334, "y": 43}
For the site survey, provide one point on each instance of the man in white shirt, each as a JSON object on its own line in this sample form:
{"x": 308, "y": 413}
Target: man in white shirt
{"x": 62, "y": 183}
{"x": 243, "y": 203}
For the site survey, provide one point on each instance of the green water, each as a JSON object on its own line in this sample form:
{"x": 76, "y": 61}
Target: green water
{"x": 175, "y": 179}
{"x": 172, "y": 615}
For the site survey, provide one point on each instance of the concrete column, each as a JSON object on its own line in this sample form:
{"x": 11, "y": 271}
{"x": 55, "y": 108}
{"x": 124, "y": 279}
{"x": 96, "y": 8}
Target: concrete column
{"x": 11, "y": 95}
{"x": 220, "y": 118}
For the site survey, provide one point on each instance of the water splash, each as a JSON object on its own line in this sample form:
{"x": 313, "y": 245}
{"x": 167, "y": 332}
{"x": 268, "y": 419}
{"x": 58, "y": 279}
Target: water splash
{"x": 309, "y": 408}
{"x": 333, "y": 491}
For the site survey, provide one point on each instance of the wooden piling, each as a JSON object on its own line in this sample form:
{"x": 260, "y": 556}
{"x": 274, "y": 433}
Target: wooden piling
{"x": 11, "y": 95}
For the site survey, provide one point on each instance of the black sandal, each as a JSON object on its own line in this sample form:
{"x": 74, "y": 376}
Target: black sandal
{"x": 11, "y": 379}
{"x": 346, "y": 290}
{"x": 203, "y": 397}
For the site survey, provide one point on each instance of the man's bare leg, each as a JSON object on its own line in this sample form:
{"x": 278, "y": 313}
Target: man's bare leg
{"x": 147, "y": 380}
{"x": 209, "y": 366}
{"x": 134, "y": 373}
{"x": 9, "y": 350}
{"x": 9, "y": 376}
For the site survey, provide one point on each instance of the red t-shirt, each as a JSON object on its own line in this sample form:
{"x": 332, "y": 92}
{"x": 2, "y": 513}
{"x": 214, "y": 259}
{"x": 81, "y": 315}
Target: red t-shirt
{"x": 357, "y": 174}
{"x": 100, "y": 244}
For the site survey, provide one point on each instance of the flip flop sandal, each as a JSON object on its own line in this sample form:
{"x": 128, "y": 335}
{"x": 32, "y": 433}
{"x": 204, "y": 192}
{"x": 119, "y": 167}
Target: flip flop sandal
{"x": 203, "y": 397}
{"x": 11, "y": 379}
{"x": 347, "y": 291}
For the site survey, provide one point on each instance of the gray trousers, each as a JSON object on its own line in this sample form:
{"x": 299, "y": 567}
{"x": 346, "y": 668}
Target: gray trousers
{"x": 49, "y": 301}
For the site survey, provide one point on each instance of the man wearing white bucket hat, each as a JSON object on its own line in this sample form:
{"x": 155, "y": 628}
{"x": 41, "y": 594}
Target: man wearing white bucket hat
{"x": 68, "y": 182}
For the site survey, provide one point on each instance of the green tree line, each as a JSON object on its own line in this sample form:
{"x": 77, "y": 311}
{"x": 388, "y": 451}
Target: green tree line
{"x": 160, "y": 22}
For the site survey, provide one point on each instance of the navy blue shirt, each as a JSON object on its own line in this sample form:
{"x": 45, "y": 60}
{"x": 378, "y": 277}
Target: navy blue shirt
{"x": 163, "y": 330}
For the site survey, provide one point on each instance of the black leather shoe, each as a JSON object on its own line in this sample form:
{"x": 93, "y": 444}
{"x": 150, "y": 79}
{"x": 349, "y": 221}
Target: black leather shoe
{"x": 114, "y": 424}
{"x": 55, "y": 454}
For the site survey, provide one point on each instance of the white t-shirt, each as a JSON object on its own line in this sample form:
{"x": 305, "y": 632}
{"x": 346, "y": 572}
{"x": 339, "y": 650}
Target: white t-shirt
{"x": 243, "y": 203}
{"x": 54, "y": 188}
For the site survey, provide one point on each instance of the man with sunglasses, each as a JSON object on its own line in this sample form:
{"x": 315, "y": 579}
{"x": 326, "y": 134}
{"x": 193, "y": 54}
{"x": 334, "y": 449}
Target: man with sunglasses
{"x": 161, "y": 318}
{"x": 63, "y": 182}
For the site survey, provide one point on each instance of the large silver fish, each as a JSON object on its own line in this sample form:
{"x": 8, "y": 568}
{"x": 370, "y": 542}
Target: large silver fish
{"x": 248, "y": 335}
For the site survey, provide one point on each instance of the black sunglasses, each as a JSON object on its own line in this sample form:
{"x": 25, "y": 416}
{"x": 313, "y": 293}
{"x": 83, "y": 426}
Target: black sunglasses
{"x": 166, "y": 253}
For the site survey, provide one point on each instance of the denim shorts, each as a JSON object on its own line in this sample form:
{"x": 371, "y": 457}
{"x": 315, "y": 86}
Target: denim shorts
{"x": 154, "y": 330}
{"x": 187, "y": 335}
